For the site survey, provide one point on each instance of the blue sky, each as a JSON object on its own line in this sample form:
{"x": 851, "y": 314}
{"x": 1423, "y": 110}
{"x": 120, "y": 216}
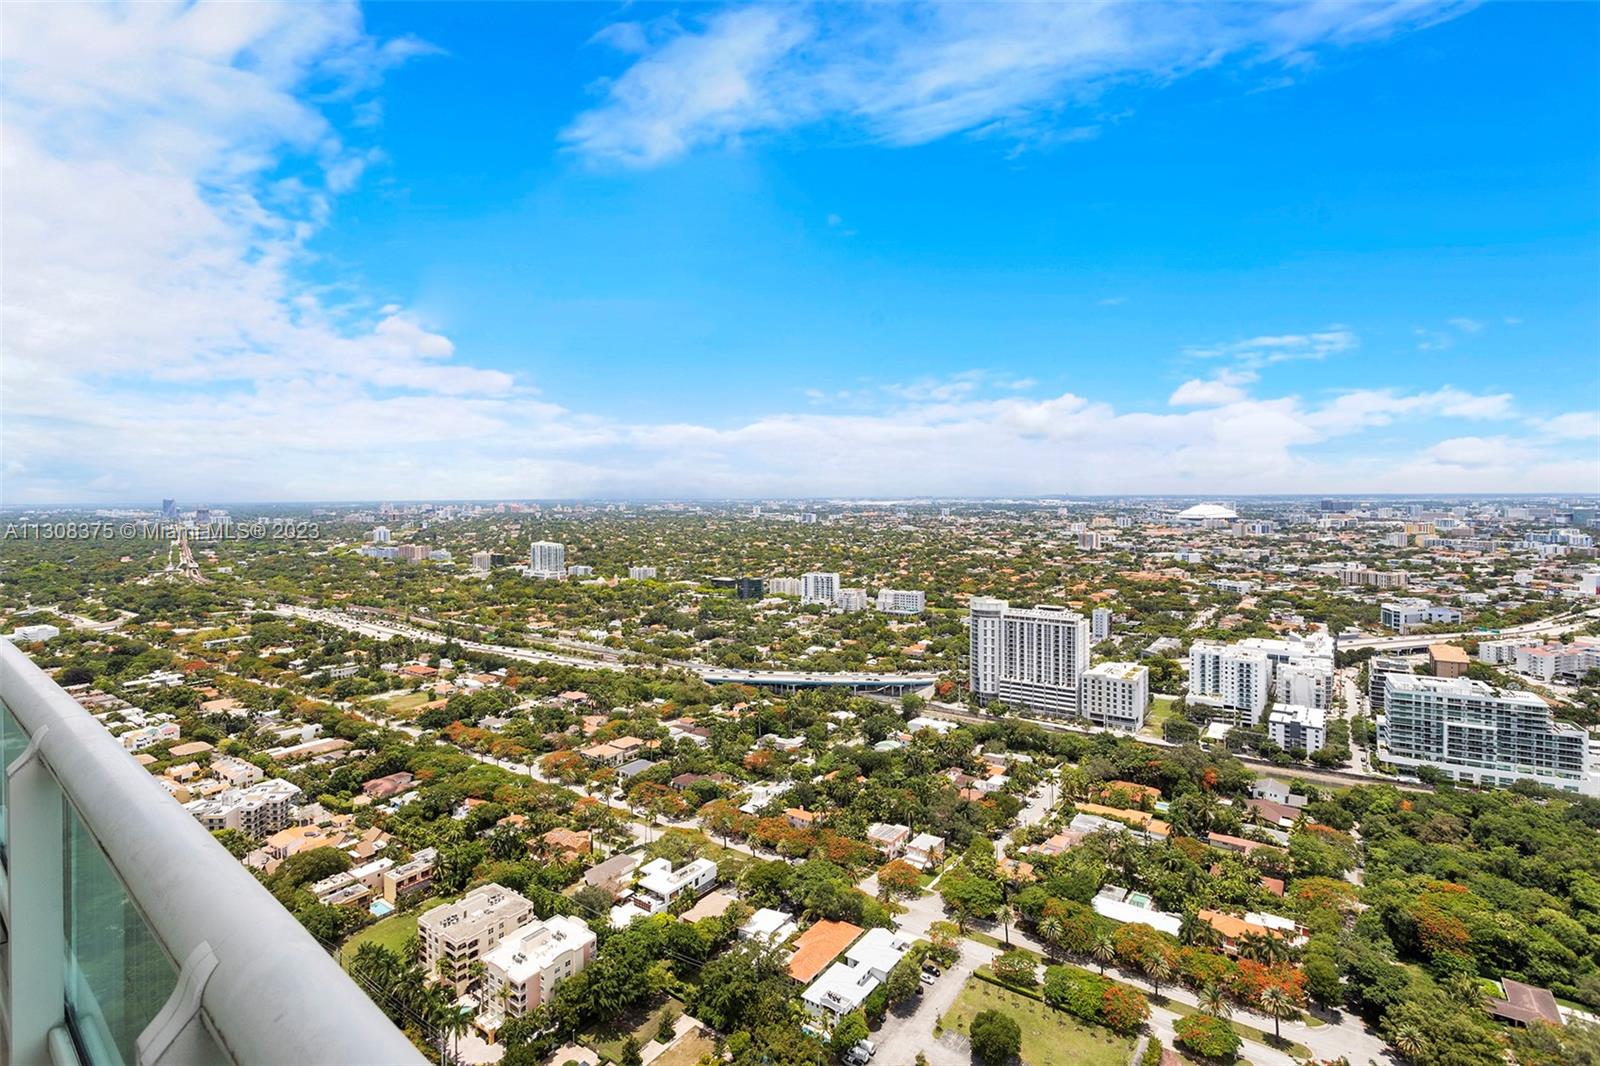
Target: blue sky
{"x": 545, "y": 250}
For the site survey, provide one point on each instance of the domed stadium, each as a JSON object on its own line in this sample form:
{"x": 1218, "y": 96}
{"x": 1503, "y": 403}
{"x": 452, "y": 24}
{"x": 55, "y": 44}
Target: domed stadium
{"x": 1202, "y": 511}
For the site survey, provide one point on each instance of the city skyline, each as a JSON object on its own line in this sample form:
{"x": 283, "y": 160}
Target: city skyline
{"x": 561, "y": 252}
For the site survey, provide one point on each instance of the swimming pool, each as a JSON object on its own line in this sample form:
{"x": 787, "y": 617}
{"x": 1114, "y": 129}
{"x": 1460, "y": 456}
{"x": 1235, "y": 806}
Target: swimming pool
{"x": 381, "y": 907}
{"x": 1140, "y": 900}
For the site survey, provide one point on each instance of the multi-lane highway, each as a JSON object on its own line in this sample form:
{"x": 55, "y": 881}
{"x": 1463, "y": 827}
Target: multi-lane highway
{"x": 609, "y": 659}
{"x": 1418, "y": 642}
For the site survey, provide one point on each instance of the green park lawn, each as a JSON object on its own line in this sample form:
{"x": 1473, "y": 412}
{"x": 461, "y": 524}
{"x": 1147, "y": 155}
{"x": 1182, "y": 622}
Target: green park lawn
{"x": 1049, "y": 1037}
{"x": 402, "y": 706}
{"x": 1159, "y": 711}
{"x": 643, "y": 1022}
{"x": 390, "y": 932}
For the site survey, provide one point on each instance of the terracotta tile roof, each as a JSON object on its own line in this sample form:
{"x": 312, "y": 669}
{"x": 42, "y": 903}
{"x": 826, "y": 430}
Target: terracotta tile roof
{"x": 818, "y": 946}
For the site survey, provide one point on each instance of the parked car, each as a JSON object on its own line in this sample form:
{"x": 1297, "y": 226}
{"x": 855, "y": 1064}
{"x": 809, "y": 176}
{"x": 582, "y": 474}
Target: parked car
{"x": 928, "y": 978}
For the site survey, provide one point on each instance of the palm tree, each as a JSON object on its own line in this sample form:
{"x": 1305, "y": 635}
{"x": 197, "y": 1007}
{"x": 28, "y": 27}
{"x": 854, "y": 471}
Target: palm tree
{"x": 1407, "y": 1040}
{"x": 1157, "y": 967}
{"x": 1051, "y": 930}
{"x": 1103, "y": 951}
{"x": 1214, "y": 1001}
{"x": 1278, "y": 1005}
{"x": 1465, "y": 989}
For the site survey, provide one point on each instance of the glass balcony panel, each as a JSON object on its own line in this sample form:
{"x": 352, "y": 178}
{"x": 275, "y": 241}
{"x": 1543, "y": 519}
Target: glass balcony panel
{"x": 12, "y": 741}
{"x": 118, "y": 975}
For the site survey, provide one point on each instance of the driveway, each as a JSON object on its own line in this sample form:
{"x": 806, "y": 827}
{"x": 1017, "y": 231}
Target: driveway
{"x": 902, "y": 1036}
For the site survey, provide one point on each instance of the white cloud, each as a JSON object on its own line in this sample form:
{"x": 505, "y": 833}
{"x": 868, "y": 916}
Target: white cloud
{"x": 1279, "y": 348}
{"x": 165, "y": 172}
{"x": 1575, "y": 425}
{"x": 1224, "y": 387}
{"x": 1467, "y": 325}
{"x": 912, "y": 74}
{"x": 1432, "y": 340}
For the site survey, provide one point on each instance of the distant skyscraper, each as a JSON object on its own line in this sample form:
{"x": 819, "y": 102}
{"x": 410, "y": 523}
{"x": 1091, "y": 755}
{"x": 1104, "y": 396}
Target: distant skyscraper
{"x": 1100, "y": 623}
{"x": 546, "y": 558}
{"x": 819, "y": 587}
{"x": 1029, "y": 657}
{"x": 169, "y": 508}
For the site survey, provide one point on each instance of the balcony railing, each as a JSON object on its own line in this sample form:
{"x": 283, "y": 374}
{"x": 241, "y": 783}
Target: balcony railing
{"x": 130, "y": 935}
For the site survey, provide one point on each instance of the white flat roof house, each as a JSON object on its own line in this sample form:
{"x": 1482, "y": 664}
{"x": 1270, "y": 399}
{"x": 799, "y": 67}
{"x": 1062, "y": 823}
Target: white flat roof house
{"x": 840, "y": 990}
{"x": 925, "y": 850}
{"x": 768, "y": 926}
{"x": 1122, "y": 905}
{"x": 878, "y": 951}
{"x": 659, "y": 884}
{"x": 889, "y": 839}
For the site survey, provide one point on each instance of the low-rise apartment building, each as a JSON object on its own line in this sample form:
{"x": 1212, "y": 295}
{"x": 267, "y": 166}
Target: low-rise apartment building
{"x": 451, "y": 937}
{"x": 259, "y": 810}
{"x": 523, "y": 970}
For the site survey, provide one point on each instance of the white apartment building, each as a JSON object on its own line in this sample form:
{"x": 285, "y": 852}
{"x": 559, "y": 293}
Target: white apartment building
{"x": 1382, "y": 579}
{"x": 1230, "y": 678}
{"x": 523, "y": 970}
{"x": 784, "y": 586}
{"x": 34, "y": 633}
{"x": 547, "y": 559}
{"x": 235, "y": 771}
{"x": 851, "y": 600}
{"x": 1031, "y": 657}
{"x": 1296, "y": 726}
{"x": 1480, "y": 735}
{"x": 902, "y": 601}
{"x": 147, "y": 736}
{"x": 1115, "y": 695}
{"x": 641, "y": 573}
{"x": 1550, "y": 661}
{"x": 1401, "y": 615}
{"x": 1305, "y": 683}
{"x": 380, "y": 534}
{"x": 819, "y": 587}
{"x": 458, "y": 933}
{"x": 257, "y": 811}
{"x": 1379, "y": 667}
{"x": 1100, "y": 623}
{"x": 983, "y": 646}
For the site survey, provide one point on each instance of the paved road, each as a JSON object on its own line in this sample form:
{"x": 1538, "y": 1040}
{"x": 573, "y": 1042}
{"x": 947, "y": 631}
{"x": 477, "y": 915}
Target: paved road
{"x": 1561, "y": 623}
{"x": 379, "y": 628}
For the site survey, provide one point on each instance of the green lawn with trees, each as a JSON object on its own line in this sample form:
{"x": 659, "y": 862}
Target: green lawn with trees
{"x": 1049, "y": 1037}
